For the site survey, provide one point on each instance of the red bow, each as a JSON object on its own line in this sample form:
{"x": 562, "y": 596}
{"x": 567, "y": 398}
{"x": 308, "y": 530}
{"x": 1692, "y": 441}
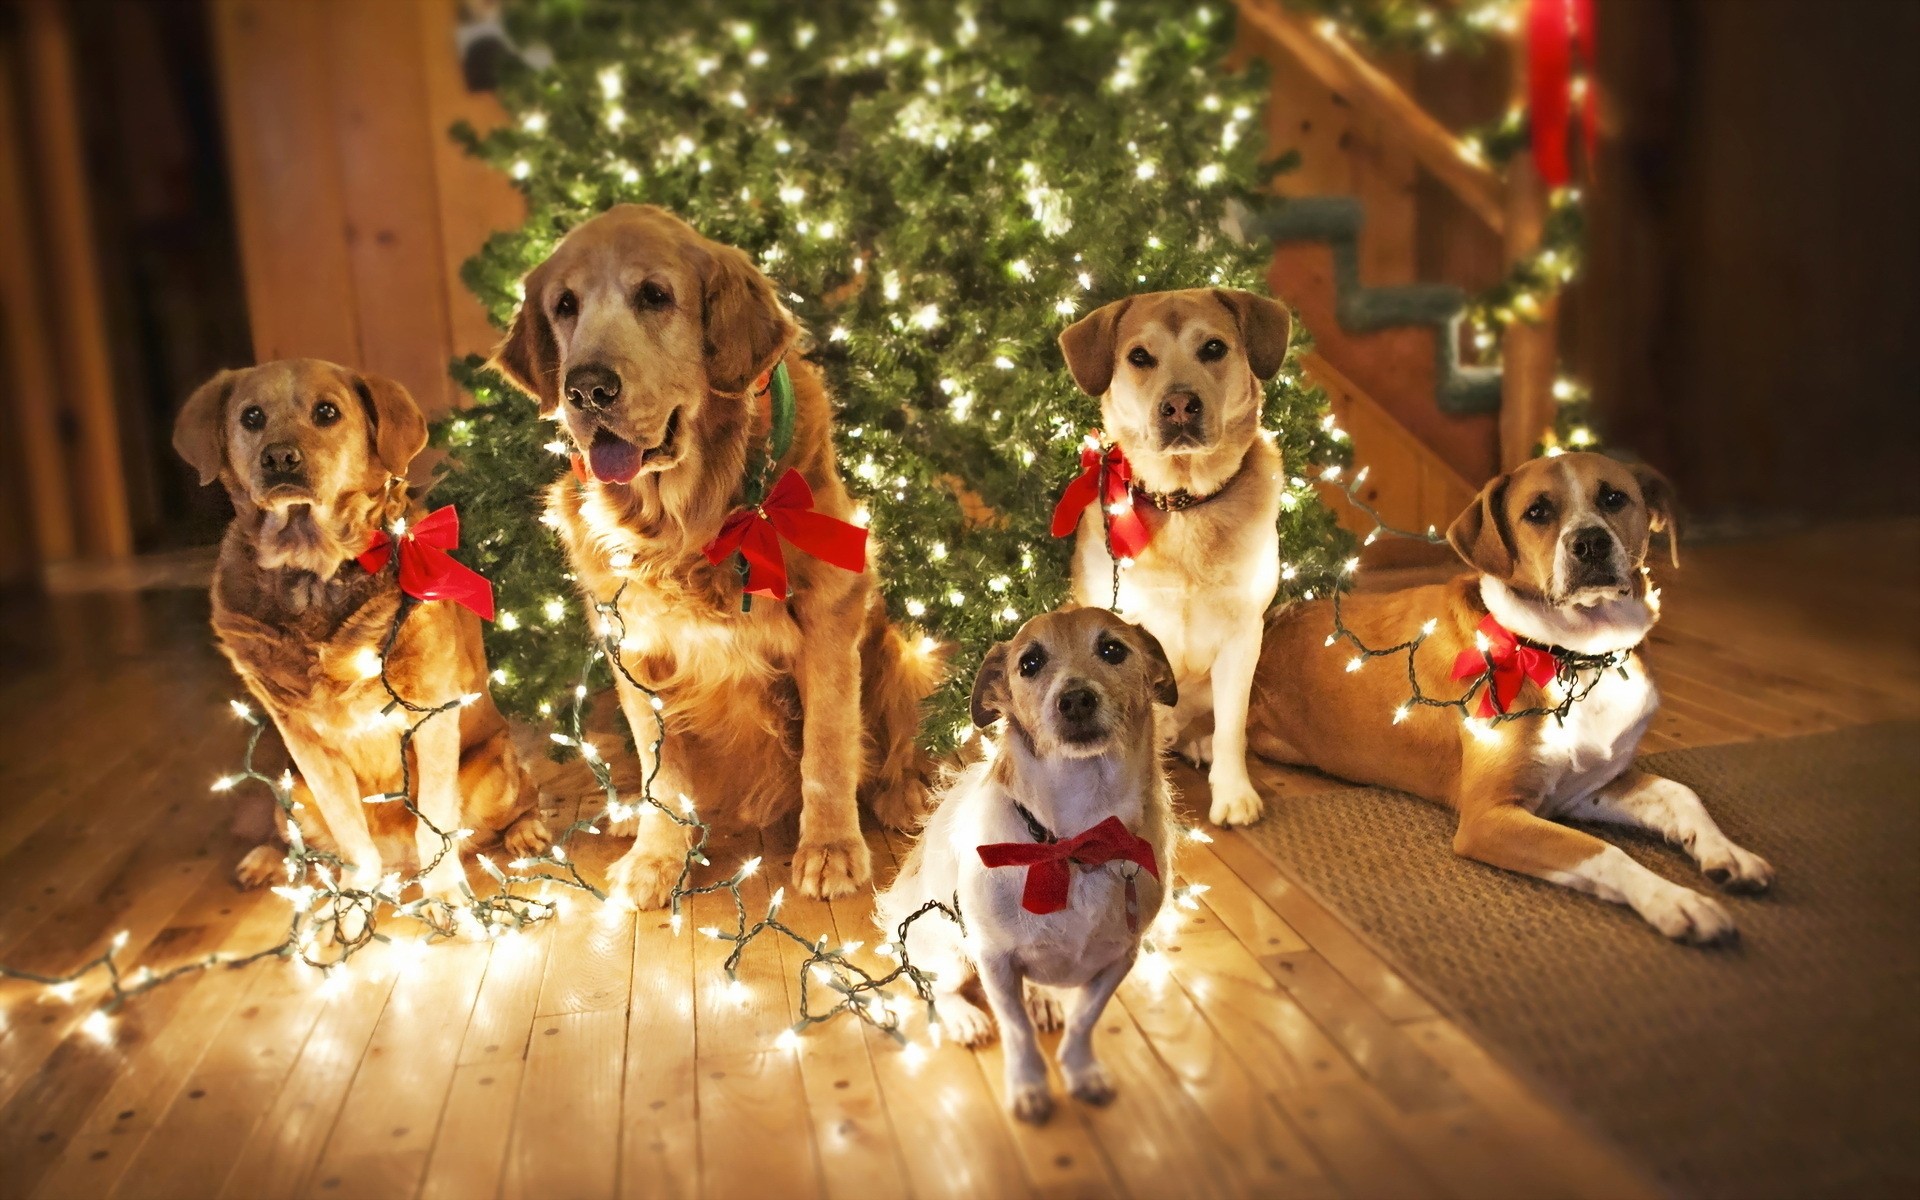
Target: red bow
{"x": 1554, "y": 27}
{"x": 427, "y": 571}
{"x": 1513, "y": 664}
{"x": 787, "y": 512}
{"x": 1048, "y": 873}
{"x": 1127, "y": 532}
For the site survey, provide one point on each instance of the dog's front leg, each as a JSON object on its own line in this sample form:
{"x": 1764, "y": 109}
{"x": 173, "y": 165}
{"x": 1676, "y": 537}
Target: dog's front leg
{"x": 436, "y": 751}
{"x": 1086, "y": 1078}
{"x": 1234, "y": 800}
{"x": 647, "y": 873}
{"x": 832, "y": 858}
{"x": 1026, "y": 1071}
{"x": 336, "y": 792}
{"x": 1674, "y": 810}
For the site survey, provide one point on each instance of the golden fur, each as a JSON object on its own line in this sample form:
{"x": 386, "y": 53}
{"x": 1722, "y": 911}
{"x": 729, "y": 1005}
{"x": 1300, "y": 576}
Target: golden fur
{"x": 311, "y": 454}
{"x": 1309, "y": 708}
{"x": 1179, "y": 376}
{"x": 641, "y": 334}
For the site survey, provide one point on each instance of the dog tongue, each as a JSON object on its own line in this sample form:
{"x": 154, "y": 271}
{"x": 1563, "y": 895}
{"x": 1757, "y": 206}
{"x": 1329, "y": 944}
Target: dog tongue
{"x": 613, "y": 459}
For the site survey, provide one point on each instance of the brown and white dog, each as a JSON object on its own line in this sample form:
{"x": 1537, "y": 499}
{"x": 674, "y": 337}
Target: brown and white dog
{"x": 313, "y": 456}
{"x": 1075, "y": 691}
{"x": 645, "y": 341}
{"x": 1179, "y": 379}
{"x": 1558, "y": 545}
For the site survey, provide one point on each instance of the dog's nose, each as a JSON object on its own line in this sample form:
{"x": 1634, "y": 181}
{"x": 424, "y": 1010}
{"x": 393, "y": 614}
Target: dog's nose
{"x": 281, "y": 458}
{"x": 1180, "y": 408}
{"x": 1593, "y": 544}
{"x": 592, "y": 387}
{"x": 1077, "y": 704}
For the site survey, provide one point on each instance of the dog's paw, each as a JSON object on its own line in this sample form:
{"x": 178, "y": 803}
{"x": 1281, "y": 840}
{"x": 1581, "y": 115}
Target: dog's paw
{"x": 528, "y": 837}
{"x": 1090, "y": 1084}
{"x": 260, "y": 866}
{"x": 1030, "y": 1102}
{"x": 642, "y": 880}
{"x": 1737, "y": 870}
{"x": 1687, "y": 916}
{"x": 626, "y": 827}
{"x": 1198, "y": 751}
{"x": 830, "y": 870}
{"x": 1235, "y": 803}
{"x": 962, "y": 1021}
{"x": 1044, "y": 1008}
{"x": 904, "y": 806}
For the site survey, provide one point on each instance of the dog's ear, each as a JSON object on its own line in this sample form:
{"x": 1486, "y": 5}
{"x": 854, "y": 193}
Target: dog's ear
{"x": 1265, "y": 326}
{"x": 1159, "y": 671}
{"x": 399, "y": 429}
{"x": 990, "y": 698}
{"x": 1662, "y": 512}
{"x": 530, "y": 356}
{"x": 200, "y": 431}
{"x": 1088, "y": 344}
{"x": 1480, "y": 533}
{"x": 746, "y": 327}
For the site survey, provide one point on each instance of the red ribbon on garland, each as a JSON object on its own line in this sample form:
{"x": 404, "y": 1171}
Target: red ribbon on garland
{"x": 1555, "y": 28}
{"x": 1049, "y": 864}
{"x": 1513, "y": 664}
{"x": 787, "y": 512}
{"x": 427, "y": 571}
{"x": 1127, "y": 532}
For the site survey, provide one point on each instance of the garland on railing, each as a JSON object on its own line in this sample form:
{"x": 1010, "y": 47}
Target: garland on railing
{"x": 333, "y": 921}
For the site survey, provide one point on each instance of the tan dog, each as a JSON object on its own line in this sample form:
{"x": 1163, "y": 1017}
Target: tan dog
{"x": 313, "y": 456}
{"x": 1558, "y": 544}
{"x": 1179, "y": 376}
{"x": 1076, "y": 690}
{"x": 645, "y": 340}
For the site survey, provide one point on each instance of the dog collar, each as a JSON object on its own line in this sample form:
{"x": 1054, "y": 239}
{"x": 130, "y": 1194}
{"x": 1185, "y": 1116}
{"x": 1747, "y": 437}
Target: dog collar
{"x": 1504, "y": 660}
{"x": 1172, "y": 502}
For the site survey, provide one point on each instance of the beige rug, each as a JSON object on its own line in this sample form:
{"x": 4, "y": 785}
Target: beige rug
{"x": 1786, "y": 1065}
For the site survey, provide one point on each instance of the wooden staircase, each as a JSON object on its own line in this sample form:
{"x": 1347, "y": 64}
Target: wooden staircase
{"x": 1388, "y": 350}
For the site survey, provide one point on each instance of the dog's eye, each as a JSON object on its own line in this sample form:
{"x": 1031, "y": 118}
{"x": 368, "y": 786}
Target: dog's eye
{"x": 1032, "y": 660}
{"x": 325, "y": 413}
{"x": 652, "y": 295}
{"x": 1539, "y": 512}
{"x": 1139, "y": 357}
{"x": 1612, "y": 498}
{"x": 1213, "y": 350}
{"x": 568, "y": 305}
{"x": 1113, "y": 651}
{"x": 253, "y": 417}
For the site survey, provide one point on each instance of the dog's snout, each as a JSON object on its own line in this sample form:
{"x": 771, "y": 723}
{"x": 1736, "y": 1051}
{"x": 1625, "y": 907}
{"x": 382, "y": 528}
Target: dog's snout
{"x": 1078, "y": 703}
{"x": 281, "y": 458}
{"x": 1593, "y": 545}
{"x": 592, "y": 386}
{"x": 1180, "y": 409}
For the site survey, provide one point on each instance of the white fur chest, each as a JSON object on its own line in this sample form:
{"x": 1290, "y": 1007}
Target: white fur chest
{"x": 1598, "y": 739}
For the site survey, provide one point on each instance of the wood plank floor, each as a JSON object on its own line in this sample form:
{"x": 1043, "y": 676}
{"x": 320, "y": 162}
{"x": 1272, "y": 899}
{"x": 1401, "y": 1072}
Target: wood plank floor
{"x": 1275, "y": 1054}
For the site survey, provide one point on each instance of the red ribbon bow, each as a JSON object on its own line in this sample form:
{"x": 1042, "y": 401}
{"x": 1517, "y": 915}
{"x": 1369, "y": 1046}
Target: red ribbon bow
{"x": 1513, "y": 664}
{"x": 1048, "y": 872}
{"x": 1127, "y": 532}
{"x": 1554, "y": 29}
{"x": 787, "y": 512}
{"x": 427, "y": 571}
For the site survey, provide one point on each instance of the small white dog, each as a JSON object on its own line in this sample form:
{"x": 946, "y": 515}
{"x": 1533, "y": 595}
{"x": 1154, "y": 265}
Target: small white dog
{"x": 1055, "y": 847}
{"x": 1194, "y": 504}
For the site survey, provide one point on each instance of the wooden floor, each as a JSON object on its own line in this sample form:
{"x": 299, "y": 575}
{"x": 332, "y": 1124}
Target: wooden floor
{"x": 1278, "y": 1055}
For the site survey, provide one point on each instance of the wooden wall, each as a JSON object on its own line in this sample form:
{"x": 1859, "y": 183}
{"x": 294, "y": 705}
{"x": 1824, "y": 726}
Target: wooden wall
{"x": 355, "y": 208}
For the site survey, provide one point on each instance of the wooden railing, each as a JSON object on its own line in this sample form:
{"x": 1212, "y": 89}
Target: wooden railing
{"x": 1512, "y": 204}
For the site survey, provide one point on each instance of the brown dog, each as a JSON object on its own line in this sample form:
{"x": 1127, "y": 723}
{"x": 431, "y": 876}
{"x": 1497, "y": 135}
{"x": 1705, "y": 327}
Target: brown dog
{"x": 1559, "y": 545}
{"x": 313, "y": 456}
{"x": 647, "y": 342}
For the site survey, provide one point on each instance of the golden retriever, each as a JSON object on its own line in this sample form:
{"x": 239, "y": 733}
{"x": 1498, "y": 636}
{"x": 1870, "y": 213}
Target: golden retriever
{"x": 650, "y": 345}
{"x": 314, "y": 457}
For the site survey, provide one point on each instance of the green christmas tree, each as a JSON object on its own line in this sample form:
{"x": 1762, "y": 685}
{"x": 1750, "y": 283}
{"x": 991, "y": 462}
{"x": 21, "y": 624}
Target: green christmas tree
{"x": 937, "y": 190}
